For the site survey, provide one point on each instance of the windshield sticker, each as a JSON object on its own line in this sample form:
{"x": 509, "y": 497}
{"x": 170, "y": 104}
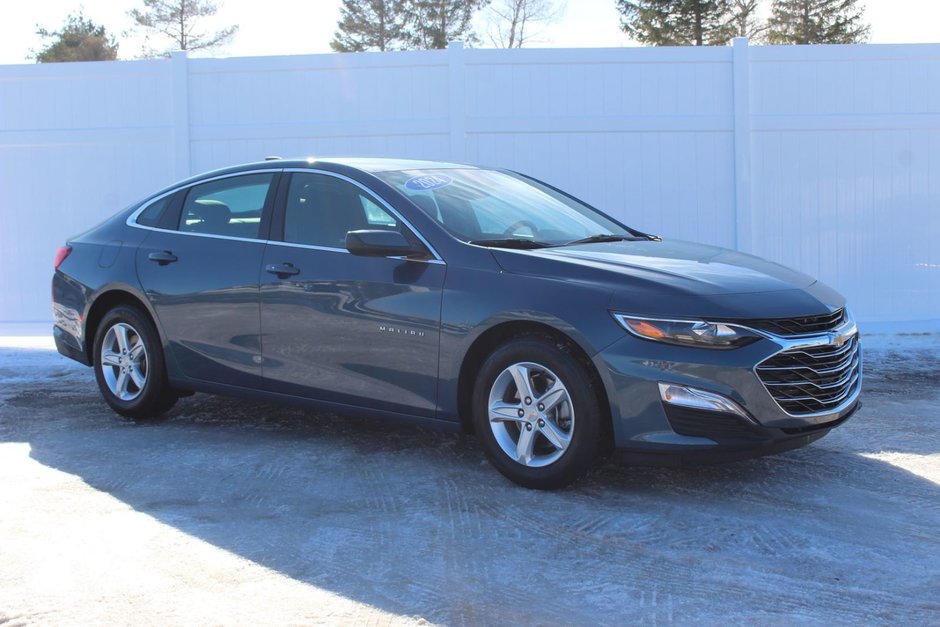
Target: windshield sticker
{"x": 428, "y": 182}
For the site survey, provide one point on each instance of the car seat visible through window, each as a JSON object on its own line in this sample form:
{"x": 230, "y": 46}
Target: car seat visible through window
{"x": 321, "y": 211}
{"x": 211, "y": 216}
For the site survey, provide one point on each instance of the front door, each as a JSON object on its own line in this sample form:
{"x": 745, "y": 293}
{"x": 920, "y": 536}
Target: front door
{"x": 202, "y": 278}
{"x": 340, "y": 327}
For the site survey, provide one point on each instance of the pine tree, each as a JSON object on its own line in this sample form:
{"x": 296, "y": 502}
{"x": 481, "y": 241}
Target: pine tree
{"x": 677, "y": 22}
{"x": 435, "y": 23}
{"x": 79, "y": 39}
{"x": 817, "y": 22}
{"x": 371, "y": 25}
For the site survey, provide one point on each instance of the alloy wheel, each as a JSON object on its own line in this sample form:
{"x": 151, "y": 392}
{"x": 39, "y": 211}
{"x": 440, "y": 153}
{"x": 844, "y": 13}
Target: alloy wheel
{"x": 124, "y": 361}
{"x": 531, "y": 414}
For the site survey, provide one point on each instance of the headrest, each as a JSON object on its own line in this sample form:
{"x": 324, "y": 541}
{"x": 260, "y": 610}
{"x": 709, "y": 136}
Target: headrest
{"x": 214, "y": 213}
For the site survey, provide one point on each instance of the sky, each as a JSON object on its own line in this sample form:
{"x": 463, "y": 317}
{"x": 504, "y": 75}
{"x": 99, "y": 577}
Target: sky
{"x": 277, "y": 27}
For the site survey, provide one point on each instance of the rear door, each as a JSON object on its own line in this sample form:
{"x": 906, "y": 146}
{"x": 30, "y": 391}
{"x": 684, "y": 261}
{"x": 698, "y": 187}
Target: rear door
{"x": 340, "y": 327}
{"x": 200, "y": 272}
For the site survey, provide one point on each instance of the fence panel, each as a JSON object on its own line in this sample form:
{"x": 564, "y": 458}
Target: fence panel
{"x": 845, "y": 169}
{"x": 824, "y": 158}
{"x": 78, "y": 141}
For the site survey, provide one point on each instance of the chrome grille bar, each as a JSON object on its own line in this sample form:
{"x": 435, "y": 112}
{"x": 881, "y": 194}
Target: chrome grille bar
{"x": 812, "y": 379}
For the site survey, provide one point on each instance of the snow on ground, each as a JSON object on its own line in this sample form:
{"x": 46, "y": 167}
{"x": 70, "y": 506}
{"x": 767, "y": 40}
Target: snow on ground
{"x": 231, "y": 512}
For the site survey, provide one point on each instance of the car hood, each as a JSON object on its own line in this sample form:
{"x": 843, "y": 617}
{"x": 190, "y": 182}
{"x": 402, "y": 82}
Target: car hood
{"x": 673, "y": 277}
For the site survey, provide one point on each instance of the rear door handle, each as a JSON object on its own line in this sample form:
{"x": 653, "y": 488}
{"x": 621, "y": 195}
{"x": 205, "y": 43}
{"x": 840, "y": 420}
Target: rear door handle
{"x": 163, "y": 257}
{"x": 282, "y": 270}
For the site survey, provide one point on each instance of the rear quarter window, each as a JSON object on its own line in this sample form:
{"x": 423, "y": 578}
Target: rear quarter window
{"x": 153, "y": 214}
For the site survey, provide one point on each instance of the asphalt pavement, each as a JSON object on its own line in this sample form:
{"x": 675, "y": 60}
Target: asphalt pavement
{"x": 230, "y": 512}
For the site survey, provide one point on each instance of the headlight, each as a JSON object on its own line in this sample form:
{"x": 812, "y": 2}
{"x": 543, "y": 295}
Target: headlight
{"x": 697, "y": 333}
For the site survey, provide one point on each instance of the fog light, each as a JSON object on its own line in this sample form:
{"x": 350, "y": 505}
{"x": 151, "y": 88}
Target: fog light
{"x": 700, "y": 399}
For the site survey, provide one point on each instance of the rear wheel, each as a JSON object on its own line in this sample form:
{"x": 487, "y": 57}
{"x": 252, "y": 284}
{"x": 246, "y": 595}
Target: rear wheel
{"x": 537, "y": 414}
{"x": 129, "y": 365}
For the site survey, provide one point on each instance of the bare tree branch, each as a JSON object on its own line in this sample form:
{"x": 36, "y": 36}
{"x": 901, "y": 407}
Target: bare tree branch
{"x": 515, "y": 23}
{"x": 177, "y": 21}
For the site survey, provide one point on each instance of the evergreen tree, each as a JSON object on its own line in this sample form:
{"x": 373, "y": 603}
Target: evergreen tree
{"x": 371, "y": 25}
{"x": 677, "y": 22}
{"x": 177, "y": 20}
{"x": 435, "y": 23}
{"x": 79, "y": 39}
{"x": 817, "y": 22}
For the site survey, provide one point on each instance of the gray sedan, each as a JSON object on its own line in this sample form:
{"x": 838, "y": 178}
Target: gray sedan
{"x": 460, "y": 297}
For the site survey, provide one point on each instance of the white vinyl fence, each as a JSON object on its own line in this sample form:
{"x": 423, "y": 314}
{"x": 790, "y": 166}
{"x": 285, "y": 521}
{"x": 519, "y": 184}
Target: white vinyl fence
{"x": 824, "y": 158}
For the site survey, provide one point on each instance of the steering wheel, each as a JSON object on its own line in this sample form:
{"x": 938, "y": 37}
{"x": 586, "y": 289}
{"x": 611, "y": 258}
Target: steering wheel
{"x": 515, "y": 226}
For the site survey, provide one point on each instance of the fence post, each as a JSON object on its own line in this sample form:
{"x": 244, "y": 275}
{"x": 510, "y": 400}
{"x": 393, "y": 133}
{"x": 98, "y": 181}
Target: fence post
{"x": 180, "y": 89}
{"x": 456, "y": 105}
{"x": 741, "y": 81}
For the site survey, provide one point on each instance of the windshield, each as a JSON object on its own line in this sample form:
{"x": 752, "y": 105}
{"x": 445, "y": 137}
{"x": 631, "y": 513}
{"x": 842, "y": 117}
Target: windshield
{"x": 488, "y": 205}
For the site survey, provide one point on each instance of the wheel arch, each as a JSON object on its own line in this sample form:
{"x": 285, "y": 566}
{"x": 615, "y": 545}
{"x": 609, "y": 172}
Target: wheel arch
{"x": 104, "y": 302}
{"x": 494, "y": 337}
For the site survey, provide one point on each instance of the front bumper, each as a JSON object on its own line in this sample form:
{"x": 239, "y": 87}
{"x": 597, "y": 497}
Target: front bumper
{"x": 648, "y": 430}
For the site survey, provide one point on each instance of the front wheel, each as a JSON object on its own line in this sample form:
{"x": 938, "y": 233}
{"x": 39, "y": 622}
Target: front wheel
{"x": 536, "y": 411}
{"x": 129, "y": 365}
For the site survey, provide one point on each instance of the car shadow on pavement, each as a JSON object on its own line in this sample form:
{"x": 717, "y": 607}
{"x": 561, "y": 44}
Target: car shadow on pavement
{"x": 418, "y": 524}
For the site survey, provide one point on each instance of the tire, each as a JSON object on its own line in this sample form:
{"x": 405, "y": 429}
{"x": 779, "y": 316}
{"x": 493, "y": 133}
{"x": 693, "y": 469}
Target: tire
{"x": 129, "y": 365}
{"x": 557, "y": 437}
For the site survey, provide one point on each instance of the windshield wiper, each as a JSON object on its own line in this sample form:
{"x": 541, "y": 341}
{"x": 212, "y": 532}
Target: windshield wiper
{"x": 511, "y": 242}
{"x": 605, "y": 237}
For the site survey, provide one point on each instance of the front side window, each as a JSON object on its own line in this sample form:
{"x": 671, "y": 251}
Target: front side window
{"x": 321, "y": 209}
{"x": 480, "y": 205}
{"x": 230, "y": 206}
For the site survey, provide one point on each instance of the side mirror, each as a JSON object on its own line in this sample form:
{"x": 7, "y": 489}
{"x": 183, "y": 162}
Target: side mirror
{"x": 381, "y": 244}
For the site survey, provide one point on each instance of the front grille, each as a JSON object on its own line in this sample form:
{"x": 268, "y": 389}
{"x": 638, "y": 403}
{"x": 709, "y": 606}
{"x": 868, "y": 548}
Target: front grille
{"x": 815, "y": 379}
{"x": 807, "y": 325}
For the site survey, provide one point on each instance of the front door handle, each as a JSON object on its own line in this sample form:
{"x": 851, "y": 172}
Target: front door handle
{"x": 163, "y": 257}
{"x": 282, "y": 270}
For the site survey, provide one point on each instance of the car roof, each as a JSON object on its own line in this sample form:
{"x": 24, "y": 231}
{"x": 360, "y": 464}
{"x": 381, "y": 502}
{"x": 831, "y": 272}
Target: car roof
{"x": 365, "y": 164}
{"x": 369, "y": 164}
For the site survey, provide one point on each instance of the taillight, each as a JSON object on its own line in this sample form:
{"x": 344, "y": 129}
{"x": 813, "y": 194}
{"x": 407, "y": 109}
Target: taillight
{"x": 61, "y": 255}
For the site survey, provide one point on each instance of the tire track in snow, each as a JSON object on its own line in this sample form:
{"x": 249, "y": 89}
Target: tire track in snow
{"x": 661, "y": 570}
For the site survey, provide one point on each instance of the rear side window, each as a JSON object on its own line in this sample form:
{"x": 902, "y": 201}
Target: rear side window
{"x": 153, "y": 214}
{"x": 321, "y": 209}
{"x": 230, "y": 206}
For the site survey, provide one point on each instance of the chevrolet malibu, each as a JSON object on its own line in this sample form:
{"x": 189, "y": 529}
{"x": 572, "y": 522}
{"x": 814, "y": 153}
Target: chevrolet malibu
{"x": 471, "y": 298}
